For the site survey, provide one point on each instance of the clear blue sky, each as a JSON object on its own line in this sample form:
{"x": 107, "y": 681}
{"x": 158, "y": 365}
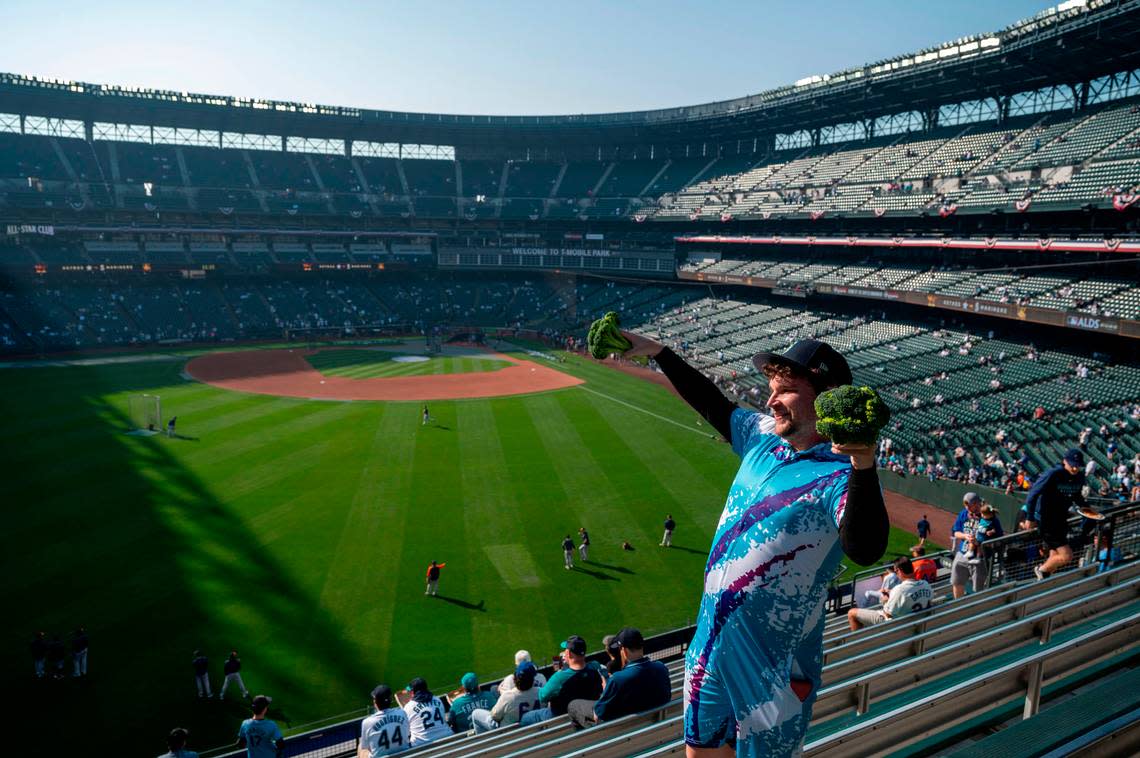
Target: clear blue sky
{"x": 495, "y": 56}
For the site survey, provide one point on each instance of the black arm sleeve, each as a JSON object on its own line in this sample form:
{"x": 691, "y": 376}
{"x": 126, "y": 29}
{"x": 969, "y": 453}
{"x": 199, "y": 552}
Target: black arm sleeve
{"x": 865, "y": 526}
{"x": 698, "y": 391}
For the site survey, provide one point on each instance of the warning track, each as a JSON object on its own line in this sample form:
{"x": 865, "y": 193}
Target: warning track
{"x": 286, "y": 373}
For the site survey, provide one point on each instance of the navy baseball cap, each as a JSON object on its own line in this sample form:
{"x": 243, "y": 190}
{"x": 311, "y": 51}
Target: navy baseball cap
{"x": 575, "y": 645}
{"x": 419, "y": 684}
{"x": 1074, "y": 457}
{"x": 526, "y": 672}
{"x": 808, "y": 356}
{"x": 629, "y": 638}
{"x": 382, "y": 694}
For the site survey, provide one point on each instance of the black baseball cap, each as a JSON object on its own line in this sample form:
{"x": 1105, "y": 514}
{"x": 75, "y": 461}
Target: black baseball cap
{"x": 628, "y": 638}
{"x": 808, "y": 356}
{"x": 419, "y": 684}
{"x": 575, "y": 645}
{"x": 260, "y": 703}
{"x": 382, "y": 694}
{"x": 1074, "y": 457}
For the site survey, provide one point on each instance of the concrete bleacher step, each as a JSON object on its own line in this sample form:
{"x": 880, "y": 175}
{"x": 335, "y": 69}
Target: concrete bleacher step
{"x": 877, "y": 680}
{"x": 1104, "y": 702}
{"x": 1015, "y": 602}
{"x": 989, "y": 721}
{"x": 933, "y": 671}
{"x": 947, "y": 701}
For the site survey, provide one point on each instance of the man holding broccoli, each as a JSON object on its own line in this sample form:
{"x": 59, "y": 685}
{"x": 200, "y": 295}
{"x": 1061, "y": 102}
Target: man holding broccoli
{"x": 799, "y": 501}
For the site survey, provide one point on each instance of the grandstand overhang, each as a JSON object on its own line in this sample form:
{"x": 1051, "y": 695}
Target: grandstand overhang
{"x": 1068, "y": 48}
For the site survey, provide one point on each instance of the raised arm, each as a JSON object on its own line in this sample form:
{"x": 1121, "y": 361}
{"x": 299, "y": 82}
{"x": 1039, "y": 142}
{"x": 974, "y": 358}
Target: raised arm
{"x": 694, "y": 387}
{"x": 865, "y": 527}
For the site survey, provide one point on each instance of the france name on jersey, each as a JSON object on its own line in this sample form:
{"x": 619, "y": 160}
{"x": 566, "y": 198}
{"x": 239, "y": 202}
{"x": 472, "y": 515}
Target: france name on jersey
{"x": 385, "y": 732}
{"x": 760, "y": 623}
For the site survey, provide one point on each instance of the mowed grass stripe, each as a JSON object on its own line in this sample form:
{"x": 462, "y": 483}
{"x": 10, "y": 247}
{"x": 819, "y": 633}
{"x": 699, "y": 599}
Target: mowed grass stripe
{"x": 433, "y": 531}
{"x": 549, "y": 513}
{"x": 660, "y": 447}
{"x": 499, "y": 548}
{"x": 590, "y": 503}
{"x": 362, "y": 581}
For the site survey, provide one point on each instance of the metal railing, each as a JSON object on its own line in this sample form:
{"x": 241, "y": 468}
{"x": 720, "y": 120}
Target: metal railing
{"x": 1013, "y": 557}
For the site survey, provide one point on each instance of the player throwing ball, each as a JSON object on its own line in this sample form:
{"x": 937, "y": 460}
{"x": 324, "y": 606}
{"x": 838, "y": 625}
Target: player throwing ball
{"x": 797, "y": 504}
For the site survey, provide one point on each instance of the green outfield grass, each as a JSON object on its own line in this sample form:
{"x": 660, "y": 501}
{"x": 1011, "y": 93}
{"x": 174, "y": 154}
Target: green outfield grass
{"x": 299, "y": 531}
{"x": 372, "y": 364}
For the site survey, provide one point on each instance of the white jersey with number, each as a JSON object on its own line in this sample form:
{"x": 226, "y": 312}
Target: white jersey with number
{"x": 426, "y": 721}
{"x": 385, "y": 733}
{"x": 909, "y": 596}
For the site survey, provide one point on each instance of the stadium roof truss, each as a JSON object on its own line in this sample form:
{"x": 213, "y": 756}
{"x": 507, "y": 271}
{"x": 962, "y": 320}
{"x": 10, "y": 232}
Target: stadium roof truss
{"x": 1066, "y": 57}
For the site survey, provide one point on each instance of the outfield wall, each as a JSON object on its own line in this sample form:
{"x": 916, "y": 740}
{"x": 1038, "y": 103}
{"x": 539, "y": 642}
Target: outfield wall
{"x": 947, "y": 495}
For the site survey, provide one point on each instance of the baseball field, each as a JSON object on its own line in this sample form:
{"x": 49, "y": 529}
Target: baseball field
{"x": 297, "y": 531}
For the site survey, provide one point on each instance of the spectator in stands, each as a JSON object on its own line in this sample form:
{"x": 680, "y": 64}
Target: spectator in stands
{"x": 910, "y": 595}
{"x": 508, "y": 682}
{"x": 459, "y": 717}
{"x": 961, "y": 570}
{"x": 1048, "y": 503}
{"x": 260, "y": 736}
{"x": 640, "y": 685}
{"x": 613, "y": 655}
{"x": 577, "y": 680}
{"x": 923, "y": 528}
{"x": 426, "y": 720}
{"x": 514, "y": 703}
{"x": 879, "y": 596}
{"x": 924, "y": 568}
{"x": 989, "y": 527}
{"x": 1107, "y": 554}
{"x": 386, "y": 731}
{"x": 176, "y": 744}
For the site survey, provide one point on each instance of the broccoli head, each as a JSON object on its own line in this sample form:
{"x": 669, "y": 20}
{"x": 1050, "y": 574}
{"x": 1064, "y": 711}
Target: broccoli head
{"x": 605, "y": 337}
{"x": 850, "y": 414}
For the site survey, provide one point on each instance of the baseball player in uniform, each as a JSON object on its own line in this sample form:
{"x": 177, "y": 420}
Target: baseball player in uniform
{"x": 797, "y": 504}
{"x": 584, "y": 546}
{"x": 386, "y": 731}
{"x": 433, "y": 578}
{"x": 232, "y": 669}
{"x": 670, "y": 525}
{"x": 568, "y": 552}
{"x": 201, "y": 666}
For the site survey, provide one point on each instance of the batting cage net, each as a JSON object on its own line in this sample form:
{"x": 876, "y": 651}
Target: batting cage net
{"x": 145, "y": 413}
